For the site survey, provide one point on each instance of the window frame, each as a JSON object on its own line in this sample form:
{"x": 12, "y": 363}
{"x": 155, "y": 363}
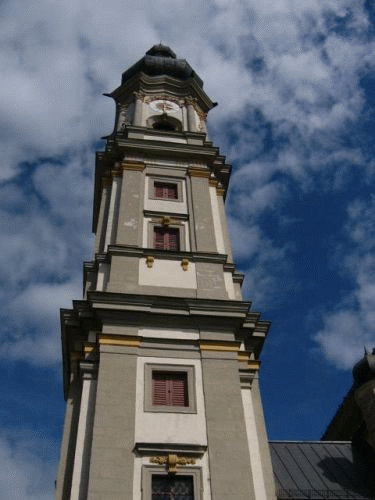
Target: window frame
{"x": 149, "y": 470}
{"x": 166, "y": 241}
{"x": 181, "y": 234}
{"x": 165, "y": 180}
{"x": 190, "y": 373}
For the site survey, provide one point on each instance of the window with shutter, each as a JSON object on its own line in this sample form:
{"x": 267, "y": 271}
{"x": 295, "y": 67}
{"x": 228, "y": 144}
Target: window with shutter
{"x": 169, "y": 389}
{"x": 166, "y": 191}
{"x": 166, "y": 238}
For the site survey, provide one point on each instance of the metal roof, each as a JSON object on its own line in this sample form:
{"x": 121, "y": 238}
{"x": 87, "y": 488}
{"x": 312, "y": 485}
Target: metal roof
{"x": 321, "y": 469}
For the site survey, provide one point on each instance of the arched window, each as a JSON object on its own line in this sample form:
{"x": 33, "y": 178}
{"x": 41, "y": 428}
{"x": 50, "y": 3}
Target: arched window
{"x": 164, "y": 123}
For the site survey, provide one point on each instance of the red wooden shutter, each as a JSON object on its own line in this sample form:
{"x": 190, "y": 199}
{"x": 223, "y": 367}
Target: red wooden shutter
{"x": 165, "y": 190}
{"x": 159, "y": 238}
{"x": 178, "y": 390}
{"x": 169, "y": 389}
{"x": 166, "y": 238}
{"x": 158, "y": 190}
{"x": 172, "y": 240}
{"x": 172, "y": 191}
{"x": 159, "y": 389}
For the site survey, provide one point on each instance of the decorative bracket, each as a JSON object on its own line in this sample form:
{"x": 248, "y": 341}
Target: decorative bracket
{"x": 185, "y": 264}
{"x": 171, "y": 461}
{"x": 166, "y": 220}
{"x": 150, "y": 260}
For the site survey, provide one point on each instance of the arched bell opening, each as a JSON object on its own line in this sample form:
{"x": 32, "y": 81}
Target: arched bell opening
{"x": 164, "y": 123}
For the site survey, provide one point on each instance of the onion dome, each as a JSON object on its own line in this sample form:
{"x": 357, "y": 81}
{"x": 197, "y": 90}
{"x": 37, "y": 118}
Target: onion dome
{"x": 160, "y": 60}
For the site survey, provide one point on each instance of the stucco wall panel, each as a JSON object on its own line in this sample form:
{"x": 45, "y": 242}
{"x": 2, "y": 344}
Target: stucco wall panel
{"x": 111, "y": 470}
{"x": 174, "y": 428}
{"x": 167, "y": 273}
{"x": 229, "y": 453}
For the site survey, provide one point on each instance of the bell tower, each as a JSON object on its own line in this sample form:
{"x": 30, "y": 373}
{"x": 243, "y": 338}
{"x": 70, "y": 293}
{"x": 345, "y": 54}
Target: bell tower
{"x": 161, "y": 357}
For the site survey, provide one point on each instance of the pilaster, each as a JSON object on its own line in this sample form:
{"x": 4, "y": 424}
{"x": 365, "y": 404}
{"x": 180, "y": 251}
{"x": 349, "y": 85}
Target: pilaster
{"x": 129, "y": 230}
{"x": 202, "y": 210}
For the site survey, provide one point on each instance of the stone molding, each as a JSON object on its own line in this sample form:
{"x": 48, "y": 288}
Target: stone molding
{"x": 134, "y": 165}
{"x": 223, "y": 346}
{"x": 198, "y": 172}
{"x": 159, "y": 448}
{"x": 88, "y": 369}
{"x": 119, "y": 340}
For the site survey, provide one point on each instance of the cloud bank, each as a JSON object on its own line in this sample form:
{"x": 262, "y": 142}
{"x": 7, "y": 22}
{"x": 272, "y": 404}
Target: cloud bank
{"x": 289, "y": 80}
{"x": 294, "y": 80}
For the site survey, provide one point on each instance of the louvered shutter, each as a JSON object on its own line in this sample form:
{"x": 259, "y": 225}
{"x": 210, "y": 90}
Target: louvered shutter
{"x": 166, "y": 238}
{"x": 158, "y": 190}
{"x": 159, "y": 389}
{"x": 172, "y": 240}
{"x": 165, "y": 190}
{"x": 159, "y": 238}
{"x": 169, "y": 389}
{"x": 178, "y": 390}
{"x": 172, "y": 191}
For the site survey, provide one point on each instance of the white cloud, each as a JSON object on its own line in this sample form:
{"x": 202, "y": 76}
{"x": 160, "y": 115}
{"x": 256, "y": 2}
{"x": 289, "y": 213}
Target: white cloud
{"x": 31, "y": 322}
{"x": 26, "y": 467}
{"x": 351, "y": 326}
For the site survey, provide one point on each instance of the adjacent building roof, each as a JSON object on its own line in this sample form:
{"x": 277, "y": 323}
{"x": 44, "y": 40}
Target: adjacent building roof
{"x": 316, "y": 470}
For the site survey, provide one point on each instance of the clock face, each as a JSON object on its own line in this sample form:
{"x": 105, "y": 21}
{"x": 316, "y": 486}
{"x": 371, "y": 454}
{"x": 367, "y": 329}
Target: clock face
{"x": 163, "y": 106}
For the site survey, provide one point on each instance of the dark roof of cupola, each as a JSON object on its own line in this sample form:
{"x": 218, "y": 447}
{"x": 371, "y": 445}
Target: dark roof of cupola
{"x": 364, "y": 370}
{"x": 161, "y": 50}
{"x": 160, "y": 60}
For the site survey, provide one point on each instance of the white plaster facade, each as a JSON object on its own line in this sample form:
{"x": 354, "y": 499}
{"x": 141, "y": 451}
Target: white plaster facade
{"x": 176, "y": 428}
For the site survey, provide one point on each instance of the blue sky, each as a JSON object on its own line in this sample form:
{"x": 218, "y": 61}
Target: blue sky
{"x": 295, "y": 84}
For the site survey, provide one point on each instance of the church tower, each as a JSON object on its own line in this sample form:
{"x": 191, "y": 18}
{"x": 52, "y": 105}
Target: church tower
{"x": 161, "y": 357}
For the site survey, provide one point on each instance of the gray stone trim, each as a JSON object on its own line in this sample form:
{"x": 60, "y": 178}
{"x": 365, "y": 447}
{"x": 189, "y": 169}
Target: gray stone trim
{"x": 214, "y": 308}
{"x": 160, "y": 215}
{"x": 136, "y": 146}
{"x": 156, "y": 367}
{"x": 88, "y": 370}
{"x": 164, "y": 171}
{"x": 169, "y": 344}
{"x": 175, "y": 225}
{"x": 67, "y": 450}
{"x": 224, "y": 227}
{"x": 167, "y": 180}
{"x": 154, "y": 290}
{"x": 238, "y": 278}
{"x": 265, "y": 455}
{"x": 186, "y": 449}
{"x": 102, "y": 219}
{"x": 149, "y": 470}
{"x": 132, "y": 251}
